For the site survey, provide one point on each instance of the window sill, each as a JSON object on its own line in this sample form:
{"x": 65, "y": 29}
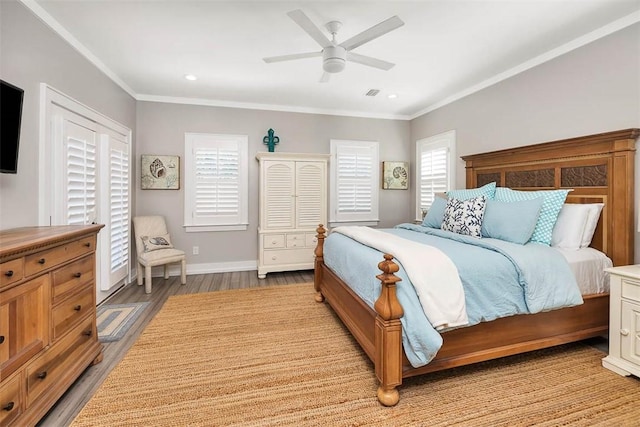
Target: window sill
{"x": 205, "y": 228}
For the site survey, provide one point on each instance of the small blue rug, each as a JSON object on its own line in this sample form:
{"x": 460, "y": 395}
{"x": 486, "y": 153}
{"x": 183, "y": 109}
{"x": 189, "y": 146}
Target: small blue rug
{"x": 114, "y": 320}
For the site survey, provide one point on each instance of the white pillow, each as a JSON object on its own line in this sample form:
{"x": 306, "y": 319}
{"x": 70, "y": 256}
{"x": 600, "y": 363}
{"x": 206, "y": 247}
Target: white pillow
{"x": 592, "y": 223}
{"x": 569, "y": 228}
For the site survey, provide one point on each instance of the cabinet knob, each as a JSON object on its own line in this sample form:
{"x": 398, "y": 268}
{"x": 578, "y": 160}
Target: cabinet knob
{"x": 87, "y": 333}
{"x": 624, "y": 332}
{"x": 8, "y": 406}
{"x": 88, "y": 245}
{"x": 41, "y": 261}
{"x": 274, "y": 257}
{"x": 77, "y": 307}
{"x": 77, "y": 275}
{"x": 8, "y": 273}
{"x": 273, "y": 242}
{"x": 1, "y": 339}
{"x": 42, "y": 375}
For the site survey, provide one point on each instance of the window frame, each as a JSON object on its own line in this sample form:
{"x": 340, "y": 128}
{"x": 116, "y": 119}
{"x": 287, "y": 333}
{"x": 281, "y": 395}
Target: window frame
{"x": 445, "y": 140}
{"x": 238, "y": 222}
{"x": 370, "y": 218}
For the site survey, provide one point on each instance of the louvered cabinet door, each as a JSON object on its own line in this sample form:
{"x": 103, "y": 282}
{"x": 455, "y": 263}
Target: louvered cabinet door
{"x": 279, "y": 200}
{"x": 311, "y": 197}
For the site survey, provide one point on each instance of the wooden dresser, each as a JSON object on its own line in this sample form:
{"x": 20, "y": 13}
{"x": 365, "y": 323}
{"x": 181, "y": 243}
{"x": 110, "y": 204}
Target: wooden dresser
{"x": 48, "y": 331}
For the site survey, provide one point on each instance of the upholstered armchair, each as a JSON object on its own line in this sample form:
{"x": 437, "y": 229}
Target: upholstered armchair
{"x": 154, "y": 248}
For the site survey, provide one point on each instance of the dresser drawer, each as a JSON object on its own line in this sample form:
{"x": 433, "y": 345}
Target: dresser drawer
{"x": 630, "y": 289}
{"x": 50, "y": 258}
{"x": 11, "y": 400}
{"x": 273, "y": 241}
{"x": 11, "y": 272}
{"x": 69, "y": 278}
{"x": 289, "y": 256}
{"x": 71, "y": 311}
{"x": 295, "y": 240}
{"x": 48, "y": 370}
{"x": 311, "y": 240}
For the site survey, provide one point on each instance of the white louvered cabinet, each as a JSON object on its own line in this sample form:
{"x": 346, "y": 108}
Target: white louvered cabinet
{"x": 293, "y": 201}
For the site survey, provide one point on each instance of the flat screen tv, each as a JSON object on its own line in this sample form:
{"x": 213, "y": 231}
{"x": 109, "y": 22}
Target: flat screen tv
{"x": 10, "y": 118}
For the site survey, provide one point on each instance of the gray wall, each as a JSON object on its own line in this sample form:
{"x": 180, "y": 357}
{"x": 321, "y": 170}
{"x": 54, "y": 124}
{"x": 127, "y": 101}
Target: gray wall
{"x": 30, "y": 54}
{"x": 593, "y": 89}
{"x": 161, "y": 128}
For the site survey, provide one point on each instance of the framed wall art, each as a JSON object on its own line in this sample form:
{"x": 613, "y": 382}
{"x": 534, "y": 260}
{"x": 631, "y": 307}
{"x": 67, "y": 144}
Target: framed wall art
{"x": 395, "y": 175}
{"x": 160, "y": 172}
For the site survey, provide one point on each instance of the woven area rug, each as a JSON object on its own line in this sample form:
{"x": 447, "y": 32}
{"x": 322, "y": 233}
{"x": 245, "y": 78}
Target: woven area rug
{"x": 114, "y": 320}
{"x": 273, "y": 356}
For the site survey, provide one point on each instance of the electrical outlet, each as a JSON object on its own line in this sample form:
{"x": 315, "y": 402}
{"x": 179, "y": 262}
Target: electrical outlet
{"x": 196, "y": 250}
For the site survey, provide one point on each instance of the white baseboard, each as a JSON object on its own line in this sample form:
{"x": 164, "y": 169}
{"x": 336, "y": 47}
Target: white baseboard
{"x": 205, "y": 268}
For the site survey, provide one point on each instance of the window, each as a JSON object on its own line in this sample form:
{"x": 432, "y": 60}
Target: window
{"x": 436, "y": 168}
{"x": 354, "y": 182}
{"x": 216, "y": 182}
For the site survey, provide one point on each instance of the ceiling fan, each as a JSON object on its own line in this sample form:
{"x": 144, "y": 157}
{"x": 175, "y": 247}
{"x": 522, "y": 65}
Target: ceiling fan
{"x": 334, "y": 54}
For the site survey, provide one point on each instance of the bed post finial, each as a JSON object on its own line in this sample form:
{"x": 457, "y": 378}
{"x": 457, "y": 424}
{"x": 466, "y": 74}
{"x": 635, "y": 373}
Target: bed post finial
{"x": 318, "y": 252}
{"x": 388, "y": 334}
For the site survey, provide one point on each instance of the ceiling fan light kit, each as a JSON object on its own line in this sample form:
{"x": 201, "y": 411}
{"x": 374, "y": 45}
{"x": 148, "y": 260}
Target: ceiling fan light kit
{"x": 335, "y": 55}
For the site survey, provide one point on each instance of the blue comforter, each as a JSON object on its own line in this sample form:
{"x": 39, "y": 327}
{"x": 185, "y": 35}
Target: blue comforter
{"x": 499, "y": 279}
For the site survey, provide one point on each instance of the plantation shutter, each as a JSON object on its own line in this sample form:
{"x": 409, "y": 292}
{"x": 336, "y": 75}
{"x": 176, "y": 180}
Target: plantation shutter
{"x": 119, "y": 211}
{"x": 433, "y": 174}
{"x": 309, "y": 194}
{"x": 80, "y": 162}
{"x": 216, "y": 181}
{"x": 355, "y": 181}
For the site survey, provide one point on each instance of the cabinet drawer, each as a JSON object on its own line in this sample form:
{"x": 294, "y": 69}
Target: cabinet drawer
{"x": 295, "y": 240}
{"x": 68, "y": 313}
{"x": 68, "y": 279}
{"x": 11, "y": 400}
{"x": 11, "y": 272}
{"x": 630, "y": 289}
{"x": 48, "y": 370}
{"x": 289, "y": 256}
{"x": 50, "y": 258}
{"x": 311, "y": 240}
{"x": 273, "y": 241}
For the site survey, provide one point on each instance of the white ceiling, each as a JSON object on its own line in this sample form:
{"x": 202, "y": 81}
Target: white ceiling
{"x": 445, "y": 50}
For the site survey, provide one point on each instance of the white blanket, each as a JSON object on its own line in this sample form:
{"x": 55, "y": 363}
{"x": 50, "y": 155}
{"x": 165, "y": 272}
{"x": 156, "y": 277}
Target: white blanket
{"x": 433, "y": 274}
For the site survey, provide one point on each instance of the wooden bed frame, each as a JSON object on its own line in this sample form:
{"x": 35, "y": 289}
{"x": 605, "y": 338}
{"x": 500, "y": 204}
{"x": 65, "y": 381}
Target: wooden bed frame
{"x": 599, "y": 168}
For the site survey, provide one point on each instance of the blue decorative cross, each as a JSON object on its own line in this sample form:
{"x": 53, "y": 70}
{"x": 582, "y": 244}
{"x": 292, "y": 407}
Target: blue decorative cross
{"x": 271, "y": 140}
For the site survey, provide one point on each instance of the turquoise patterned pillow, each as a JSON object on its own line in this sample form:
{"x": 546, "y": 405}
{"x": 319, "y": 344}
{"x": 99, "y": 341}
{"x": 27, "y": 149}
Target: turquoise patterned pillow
{"x": 553, "y": 201}
{"x": 464, "y": 216}
{"x": 487, "y": 190}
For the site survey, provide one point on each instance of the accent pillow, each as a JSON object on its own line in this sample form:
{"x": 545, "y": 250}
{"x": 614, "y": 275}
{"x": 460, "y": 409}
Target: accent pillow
{"x": 435, "y": 214}
{"x": 487, "y": 190}
{"x": 464, "y": 216}
{"x": 156, "y": 242}
{"x": 569, "y": 228}
{"x": 553, "y": 201}
{"x": 592, "y": 222}
{"x": 511, "y": 221}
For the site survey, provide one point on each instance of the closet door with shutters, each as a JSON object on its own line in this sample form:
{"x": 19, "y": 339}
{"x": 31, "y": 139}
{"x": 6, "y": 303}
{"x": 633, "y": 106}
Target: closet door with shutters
{"x": 310, "y": 194}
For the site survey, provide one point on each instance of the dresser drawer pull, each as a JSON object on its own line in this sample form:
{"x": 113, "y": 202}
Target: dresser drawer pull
{"x": 9, "y": 273}
{"x": 77, "y": 275}
{"x": 77, "y": 307}
{"x": 9, "y": 406}
{"x": 88, "y": 245}
{"x": 624, "y": 332}
{"x": 41, "y": 261}
{"x": 1, "y": 339}
{"x": 42, "y": 375}
{"x": 87, "y": 333}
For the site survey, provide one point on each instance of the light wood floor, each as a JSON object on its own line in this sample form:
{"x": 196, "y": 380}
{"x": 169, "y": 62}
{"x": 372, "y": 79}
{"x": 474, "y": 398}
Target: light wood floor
{"x": 66, "y": 409}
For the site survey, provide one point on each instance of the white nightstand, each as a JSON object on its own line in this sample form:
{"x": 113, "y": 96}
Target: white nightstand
{"x": 624, "y": 321}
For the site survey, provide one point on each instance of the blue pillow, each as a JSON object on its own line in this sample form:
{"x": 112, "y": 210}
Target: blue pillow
{"x": 553, "y": 201}
{"x": 435, "y": 214}
{"x": 487, "y": 190}
{"x": 511, "y": 221}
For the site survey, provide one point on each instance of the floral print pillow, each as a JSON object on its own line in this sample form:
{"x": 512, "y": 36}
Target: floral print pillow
{"x": 464, "y": 216}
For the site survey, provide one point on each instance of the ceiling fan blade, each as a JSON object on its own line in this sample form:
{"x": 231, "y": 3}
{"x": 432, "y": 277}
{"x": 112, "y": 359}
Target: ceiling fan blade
{"x": 271, "y": 59}
{"x": 309, "y": 27}
{"x": 325, "y": 77}
{"x": 374, "y": 32}
{"x": 371, "y": 62}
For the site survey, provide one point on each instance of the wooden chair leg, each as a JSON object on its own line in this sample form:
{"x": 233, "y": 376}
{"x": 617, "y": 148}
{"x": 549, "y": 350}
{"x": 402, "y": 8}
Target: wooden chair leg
{"x": 147, "y": 279}
{"x": 183, "y": 271}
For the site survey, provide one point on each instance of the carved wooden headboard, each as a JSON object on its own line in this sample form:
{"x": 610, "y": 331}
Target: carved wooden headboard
{"x": 599, "y": 168}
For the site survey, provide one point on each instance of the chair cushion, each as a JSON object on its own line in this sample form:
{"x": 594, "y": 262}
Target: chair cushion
{"x": 161, "y": 256}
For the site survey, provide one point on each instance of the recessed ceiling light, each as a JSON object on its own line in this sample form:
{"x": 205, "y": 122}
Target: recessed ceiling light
{"x": 190, "y": 77}
{"x": 392, "y": 96}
